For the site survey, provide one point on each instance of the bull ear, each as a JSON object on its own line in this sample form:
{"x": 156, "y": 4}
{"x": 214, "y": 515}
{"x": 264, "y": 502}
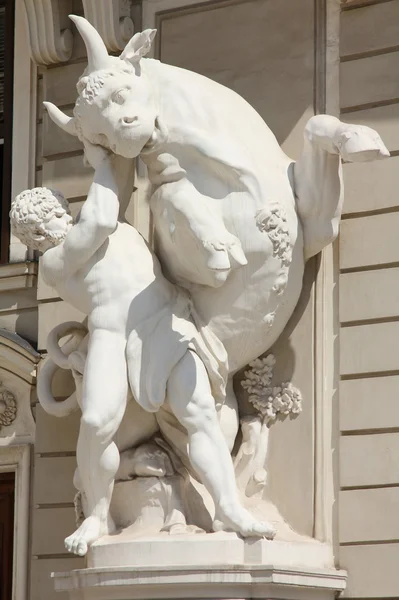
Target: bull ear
{"x": 139, "y": 46}
{"x": 66, "y": 123}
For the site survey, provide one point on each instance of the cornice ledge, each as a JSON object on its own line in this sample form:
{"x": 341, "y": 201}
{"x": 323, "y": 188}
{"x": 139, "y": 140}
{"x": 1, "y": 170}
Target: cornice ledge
{"x": 112, "y": 20}
{"x": 17, "y": 276}
{"x": 50, "y": 36}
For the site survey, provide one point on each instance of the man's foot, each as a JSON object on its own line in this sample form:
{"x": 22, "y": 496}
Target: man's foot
{"x": 89, "y": 532}
{"x": 240, "y": 520}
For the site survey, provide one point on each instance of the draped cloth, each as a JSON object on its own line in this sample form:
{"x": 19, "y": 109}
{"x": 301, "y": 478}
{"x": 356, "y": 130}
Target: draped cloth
{"x": 156, "y": 346}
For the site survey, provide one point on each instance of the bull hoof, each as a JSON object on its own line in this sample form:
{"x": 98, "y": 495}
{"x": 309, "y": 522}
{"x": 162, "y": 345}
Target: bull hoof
{"x": 358, "y": 143}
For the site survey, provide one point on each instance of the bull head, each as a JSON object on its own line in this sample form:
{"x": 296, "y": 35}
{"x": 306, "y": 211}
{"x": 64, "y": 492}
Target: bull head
{"x": 99, "y": 60}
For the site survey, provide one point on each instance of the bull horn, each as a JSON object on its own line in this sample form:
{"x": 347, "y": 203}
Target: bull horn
{"x": 97, "y": 54}
{"x": 66, "y": 123}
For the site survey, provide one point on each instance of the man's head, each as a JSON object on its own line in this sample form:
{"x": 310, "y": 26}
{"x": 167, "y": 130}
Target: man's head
{"x": 116, "y": 106}
{"x": 40, "y": 218}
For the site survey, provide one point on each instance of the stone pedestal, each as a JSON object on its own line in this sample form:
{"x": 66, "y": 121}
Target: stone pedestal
{"x": 217, "y": 566}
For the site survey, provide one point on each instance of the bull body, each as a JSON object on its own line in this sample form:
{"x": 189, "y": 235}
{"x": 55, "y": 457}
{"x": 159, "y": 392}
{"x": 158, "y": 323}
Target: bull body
{"x": 237, "y": 168}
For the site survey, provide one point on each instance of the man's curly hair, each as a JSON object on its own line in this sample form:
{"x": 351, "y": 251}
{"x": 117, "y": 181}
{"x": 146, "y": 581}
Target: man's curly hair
{"x": 30, "y": 211}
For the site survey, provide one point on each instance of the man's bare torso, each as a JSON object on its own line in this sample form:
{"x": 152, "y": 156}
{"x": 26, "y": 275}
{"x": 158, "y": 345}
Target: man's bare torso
{"x": 120, "y": 286}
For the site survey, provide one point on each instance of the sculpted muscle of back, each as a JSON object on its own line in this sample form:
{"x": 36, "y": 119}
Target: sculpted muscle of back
{"x": 235, "y": 218}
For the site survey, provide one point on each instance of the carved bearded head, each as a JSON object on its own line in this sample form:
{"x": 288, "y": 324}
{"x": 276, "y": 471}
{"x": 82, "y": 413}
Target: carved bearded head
{"x": 116, "y": 107}
{"x": 40, "y": 218}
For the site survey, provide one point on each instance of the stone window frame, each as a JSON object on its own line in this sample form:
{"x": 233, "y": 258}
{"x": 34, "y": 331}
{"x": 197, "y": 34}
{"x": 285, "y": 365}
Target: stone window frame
{"x": 16, "y": 459}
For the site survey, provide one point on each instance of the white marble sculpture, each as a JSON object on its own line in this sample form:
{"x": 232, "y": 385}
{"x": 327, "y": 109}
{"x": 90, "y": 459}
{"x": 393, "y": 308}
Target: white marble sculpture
{"x": 235, "y": 220}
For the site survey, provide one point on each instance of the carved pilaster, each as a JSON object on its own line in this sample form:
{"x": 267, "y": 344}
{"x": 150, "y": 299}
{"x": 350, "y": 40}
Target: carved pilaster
{"x": 51, "y": 37}
{"x": 112, "y": 20}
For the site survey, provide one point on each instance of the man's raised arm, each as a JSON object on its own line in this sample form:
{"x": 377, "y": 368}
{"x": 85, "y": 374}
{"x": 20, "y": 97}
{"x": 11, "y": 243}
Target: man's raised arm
{"x": 99, "y": 214}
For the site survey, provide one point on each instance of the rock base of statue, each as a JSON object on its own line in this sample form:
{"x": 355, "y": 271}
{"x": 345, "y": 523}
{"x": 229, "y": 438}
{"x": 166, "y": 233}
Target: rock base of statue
{"x": 218, "y": 566}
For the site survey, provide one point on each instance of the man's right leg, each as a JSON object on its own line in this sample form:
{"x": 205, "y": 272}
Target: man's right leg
{"x": 189, "y": 395}
{"x": 103, "y": 406}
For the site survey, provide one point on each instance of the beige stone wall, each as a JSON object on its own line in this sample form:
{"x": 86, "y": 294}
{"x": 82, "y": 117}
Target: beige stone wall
{"x": 369, "y": 308}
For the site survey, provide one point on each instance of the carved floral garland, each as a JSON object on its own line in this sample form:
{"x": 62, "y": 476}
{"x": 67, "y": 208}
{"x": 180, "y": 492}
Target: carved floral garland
{"x": 270, "y": 401}
{"x": 273, "y": 221}
{"x": 8, "y": 407}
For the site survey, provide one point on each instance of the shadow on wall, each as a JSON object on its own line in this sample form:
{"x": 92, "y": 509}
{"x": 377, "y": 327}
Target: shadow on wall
{"x": 254, "y": 48}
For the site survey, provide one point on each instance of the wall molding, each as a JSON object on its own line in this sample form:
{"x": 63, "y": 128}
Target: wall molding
{"x": 112, "y": 20}
{"x": 326, "y": 354}
{"x": 18, "y": 276}
{"x": 51, "y": 33}
{"x": 51, "y": 38}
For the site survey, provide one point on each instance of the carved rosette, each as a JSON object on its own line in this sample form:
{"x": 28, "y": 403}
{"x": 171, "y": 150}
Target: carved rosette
{"x": 8, "y": 407}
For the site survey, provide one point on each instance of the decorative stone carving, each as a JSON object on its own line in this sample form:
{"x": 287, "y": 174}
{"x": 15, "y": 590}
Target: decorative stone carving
{"x": 268, "y": 400}
{"x": 50, "y": 42}
{"x": 235, "y": 221}
{"x": 8, "y": 407}
{"x": 112, "y": 20}
{"x": 18, "y": 362}
{"x": 274, "y": 222}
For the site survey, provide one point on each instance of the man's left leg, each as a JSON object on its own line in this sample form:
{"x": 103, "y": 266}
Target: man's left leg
{"x": 190, "y": 398}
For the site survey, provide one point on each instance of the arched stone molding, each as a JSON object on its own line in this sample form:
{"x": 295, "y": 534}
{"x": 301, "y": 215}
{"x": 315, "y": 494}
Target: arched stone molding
{"x": 112, "y": 20}
{"x": 18, "y": 362}
{"x": 51, "y": 37}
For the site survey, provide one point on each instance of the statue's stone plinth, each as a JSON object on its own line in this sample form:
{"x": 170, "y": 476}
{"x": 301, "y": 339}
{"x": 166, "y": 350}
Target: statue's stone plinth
{"x": 217, "y": 566}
